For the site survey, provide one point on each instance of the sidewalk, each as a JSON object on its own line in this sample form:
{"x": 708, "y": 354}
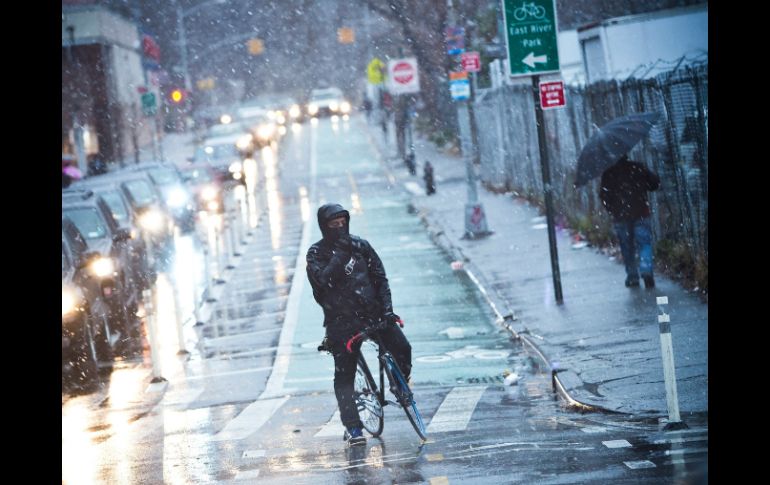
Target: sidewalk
{"x": 604, "y": 340}
{"x": 176, "y": 147}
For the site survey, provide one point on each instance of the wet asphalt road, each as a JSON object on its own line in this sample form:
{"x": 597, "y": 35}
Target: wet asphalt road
{"x": 253, "y": 401}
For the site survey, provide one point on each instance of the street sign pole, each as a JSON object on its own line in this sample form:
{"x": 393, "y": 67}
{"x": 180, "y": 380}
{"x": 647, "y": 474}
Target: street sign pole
{"x": 531, "y": 42}
{"x": 547, "y": 190}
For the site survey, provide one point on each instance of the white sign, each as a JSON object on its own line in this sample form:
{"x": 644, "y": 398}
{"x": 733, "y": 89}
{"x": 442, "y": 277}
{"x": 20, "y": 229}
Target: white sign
{"x": 403, "y": 76}
{"x": 460, "y": 89}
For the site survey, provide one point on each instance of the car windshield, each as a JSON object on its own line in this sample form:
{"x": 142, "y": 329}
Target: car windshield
{"x": 141, "y": 192}
{"x": 164, "y": 176}
{"x": 65, "y": 262}
{"x": 228, "y": 129}
{"x": 215, "y": 152}
{"x": 322, "y": 95}
{"x": 88, "y": 221}
{"x": 116, "y": 205}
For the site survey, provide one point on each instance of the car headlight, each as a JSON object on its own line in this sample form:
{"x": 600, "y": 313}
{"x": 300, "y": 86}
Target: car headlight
{"x": 244, "y": 142}
{"x": 212, "y": 205}
{"x": 152, "y": 220}
{"x": 177, "y": 197}
{"x": 102, "y": 267}
{"x": 265, "y": 131}
{"x": 235, "y": 167}
{"x": 280, "y": 118}
{"x": 345, "y": 107}
{"x": 312, "y": 109}
{"x": 209, "y": 193}
{"x": 69, "y": 301}
{"x": 294, "y": 111}
{"x": 333, "y": 106}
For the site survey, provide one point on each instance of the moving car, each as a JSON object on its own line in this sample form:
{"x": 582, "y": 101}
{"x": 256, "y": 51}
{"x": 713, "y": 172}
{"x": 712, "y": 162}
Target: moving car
{"x": 177, "y": 198}
{"x": 327, "y": 102}
{"x": 205, "y": 186}
{"x": 223, "y": 154}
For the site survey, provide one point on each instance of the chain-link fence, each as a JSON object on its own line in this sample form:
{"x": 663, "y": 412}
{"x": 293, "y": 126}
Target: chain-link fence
{"x": 676, "y": 149}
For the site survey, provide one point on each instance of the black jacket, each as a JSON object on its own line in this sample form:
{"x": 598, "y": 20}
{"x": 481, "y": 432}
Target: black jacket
{"x": 624, "y": 190}
{"x": 350, "y": 287}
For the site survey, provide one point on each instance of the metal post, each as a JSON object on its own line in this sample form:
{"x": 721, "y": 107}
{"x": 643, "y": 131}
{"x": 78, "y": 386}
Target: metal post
{"x": 231, "y": 252}
{"x": 669, "y": 370}
{"x": 547, "y": 190}
{"x": 220, "y": 255}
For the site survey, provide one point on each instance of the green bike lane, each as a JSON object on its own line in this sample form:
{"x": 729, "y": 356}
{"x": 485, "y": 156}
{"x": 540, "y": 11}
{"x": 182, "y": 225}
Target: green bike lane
{"x": 453, "y": 338}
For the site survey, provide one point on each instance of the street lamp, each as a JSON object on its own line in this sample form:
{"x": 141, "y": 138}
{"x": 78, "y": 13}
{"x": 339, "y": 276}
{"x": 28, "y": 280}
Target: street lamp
{"x": 181, "y": 13}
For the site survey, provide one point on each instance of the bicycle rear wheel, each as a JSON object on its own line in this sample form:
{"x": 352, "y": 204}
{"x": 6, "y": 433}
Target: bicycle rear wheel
{"x": 367, "y": 401}
{"x": 406, "y": 398}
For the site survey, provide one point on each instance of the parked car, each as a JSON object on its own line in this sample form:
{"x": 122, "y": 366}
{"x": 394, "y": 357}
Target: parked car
{"x": 177, "y": 198}
{"x": 86, "y": 336}
{"x": 110, "y": 244}
{"x": 127, "y": 219}
{"x": 206, "y": 187}
{"x": 153, "y": 217}
{"x": 327, "y": 102}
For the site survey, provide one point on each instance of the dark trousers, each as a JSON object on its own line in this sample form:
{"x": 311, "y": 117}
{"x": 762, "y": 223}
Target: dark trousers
{"x": 345, "y": 370}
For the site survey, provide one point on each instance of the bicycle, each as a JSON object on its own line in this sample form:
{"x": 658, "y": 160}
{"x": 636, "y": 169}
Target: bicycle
{"x": 370, "y": 398}
{"x": 529, "y": 10}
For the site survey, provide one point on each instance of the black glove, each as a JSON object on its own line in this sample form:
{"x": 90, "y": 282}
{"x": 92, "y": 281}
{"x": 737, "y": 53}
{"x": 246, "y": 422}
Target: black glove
{"x": 393, "y": 319}
{"x": 343, "y": 244}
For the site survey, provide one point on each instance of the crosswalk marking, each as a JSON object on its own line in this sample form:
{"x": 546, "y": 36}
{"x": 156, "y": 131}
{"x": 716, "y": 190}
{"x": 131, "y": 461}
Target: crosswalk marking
{"x": 456, "y": 409}
{"x": 253, "y": 454}
{"x": 250, "y": 419}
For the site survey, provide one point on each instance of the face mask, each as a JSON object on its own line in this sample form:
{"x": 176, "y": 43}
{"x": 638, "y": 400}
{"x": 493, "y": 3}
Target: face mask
{"x": 335, "y": 233}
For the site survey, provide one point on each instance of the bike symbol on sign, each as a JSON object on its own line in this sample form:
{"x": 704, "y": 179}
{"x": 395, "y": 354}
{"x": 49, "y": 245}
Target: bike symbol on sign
{"x": 529, "y": 10}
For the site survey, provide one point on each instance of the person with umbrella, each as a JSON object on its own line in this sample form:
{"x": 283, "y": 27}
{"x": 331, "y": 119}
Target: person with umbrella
{"x": 623, "y": 193}
{"x": 623, "y": 190}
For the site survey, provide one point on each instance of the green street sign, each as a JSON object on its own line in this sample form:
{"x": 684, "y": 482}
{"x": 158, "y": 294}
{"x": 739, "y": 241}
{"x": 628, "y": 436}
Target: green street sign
{"x": 531, "y": 36}
{"x": 149, "y": 106}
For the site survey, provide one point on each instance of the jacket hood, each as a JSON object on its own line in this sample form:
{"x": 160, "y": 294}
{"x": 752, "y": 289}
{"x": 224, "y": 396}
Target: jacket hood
{"x": 327, "y": 212}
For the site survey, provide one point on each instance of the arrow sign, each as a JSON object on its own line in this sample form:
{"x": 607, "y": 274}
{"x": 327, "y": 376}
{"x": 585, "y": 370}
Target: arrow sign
{"x": 531, "y": 59}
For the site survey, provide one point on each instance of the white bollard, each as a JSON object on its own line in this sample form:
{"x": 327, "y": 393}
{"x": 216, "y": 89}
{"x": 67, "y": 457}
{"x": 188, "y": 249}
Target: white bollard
{"x": 152, "y": 325}
{"x": 669, "y": 370}
{"x": 179, "y": 319}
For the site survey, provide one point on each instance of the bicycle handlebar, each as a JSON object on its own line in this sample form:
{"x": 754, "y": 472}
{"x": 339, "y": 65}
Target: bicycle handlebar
{"x": 366, "y": 332}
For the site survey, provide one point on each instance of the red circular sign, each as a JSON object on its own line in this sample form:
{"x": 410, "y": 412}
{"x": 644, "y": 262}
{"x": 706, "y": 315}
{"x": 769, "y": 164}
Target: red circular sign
{"x": 403, "y": 72}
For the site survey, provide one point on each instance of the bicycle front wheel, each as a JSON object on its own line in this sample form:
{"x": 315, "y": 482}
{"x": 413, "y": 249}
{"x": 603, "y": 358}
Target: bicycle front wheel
{"x": 367, "y": 401}
{"x": 406, "y": 399}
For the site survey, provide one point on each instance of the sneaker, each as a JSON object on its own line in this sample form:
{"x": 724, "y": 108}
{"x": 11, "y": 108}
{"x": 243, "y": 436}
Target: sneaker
{"x": 649, "y": 281}
{"x": 632, "y": 282}
{"x": 354, "y": 436}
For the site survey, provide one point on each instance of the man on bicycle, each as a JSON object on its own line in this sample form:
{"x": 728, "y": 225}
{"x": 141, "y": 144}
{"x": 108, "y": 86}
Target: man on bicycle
{"x": 349, "y": 283}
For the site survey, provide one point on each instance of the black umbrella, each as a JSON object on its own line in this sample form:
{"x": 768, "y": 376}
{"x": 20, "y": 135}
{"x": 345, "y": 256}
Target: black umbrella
{"x": 610, "y": 142}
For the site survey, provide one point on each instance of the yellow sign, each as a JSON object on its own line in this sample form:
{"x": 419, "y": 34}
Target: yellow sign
{"x": 204, "y": 84}
{"x": 255, "y": 47}
{"x": 376, "y": 71}
{"x": 345, "y": 35}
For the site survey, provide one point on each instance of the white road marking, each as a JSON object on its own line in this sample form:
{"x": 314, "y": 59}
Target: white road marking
{"x": 686, "y": 451}
{"x": 250, "y": 419}
{"x": 332, "y": 428}
{"x": 253, "y": 454}
{"x": 593, "y": 429}
{"x": 635, "y": 465}
{"x": 616, "y": 444}
{"x": 682, "y": 440}
{"x": 230, "y": 373}
{"x": 456, "y": 409}
{"x": 248, "y": 474}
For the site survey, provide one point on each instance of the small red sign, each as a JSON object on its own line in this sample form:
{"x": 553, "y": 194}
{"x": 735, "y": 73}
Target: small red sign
{"x": 457, "y": 75}
{"x": 471, "y": 61}
{"x": 552, "y": 95}
{"x": 403, "y": 72}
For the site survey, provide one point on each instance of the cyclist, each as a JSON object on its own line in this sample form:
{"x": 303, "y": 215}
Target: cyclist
{"x": 350, "y": 284}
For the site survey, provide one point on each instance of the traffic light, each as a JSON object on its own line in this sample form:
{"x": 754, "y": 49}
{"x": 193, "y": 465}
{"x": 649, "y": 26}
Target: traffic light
{"x": 177, "y": 95}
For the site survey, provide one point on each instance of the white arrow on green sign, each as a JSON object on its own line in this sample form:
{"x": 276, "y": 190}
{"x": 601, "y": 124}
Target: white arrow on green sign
{"x": 531, "y": 36}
